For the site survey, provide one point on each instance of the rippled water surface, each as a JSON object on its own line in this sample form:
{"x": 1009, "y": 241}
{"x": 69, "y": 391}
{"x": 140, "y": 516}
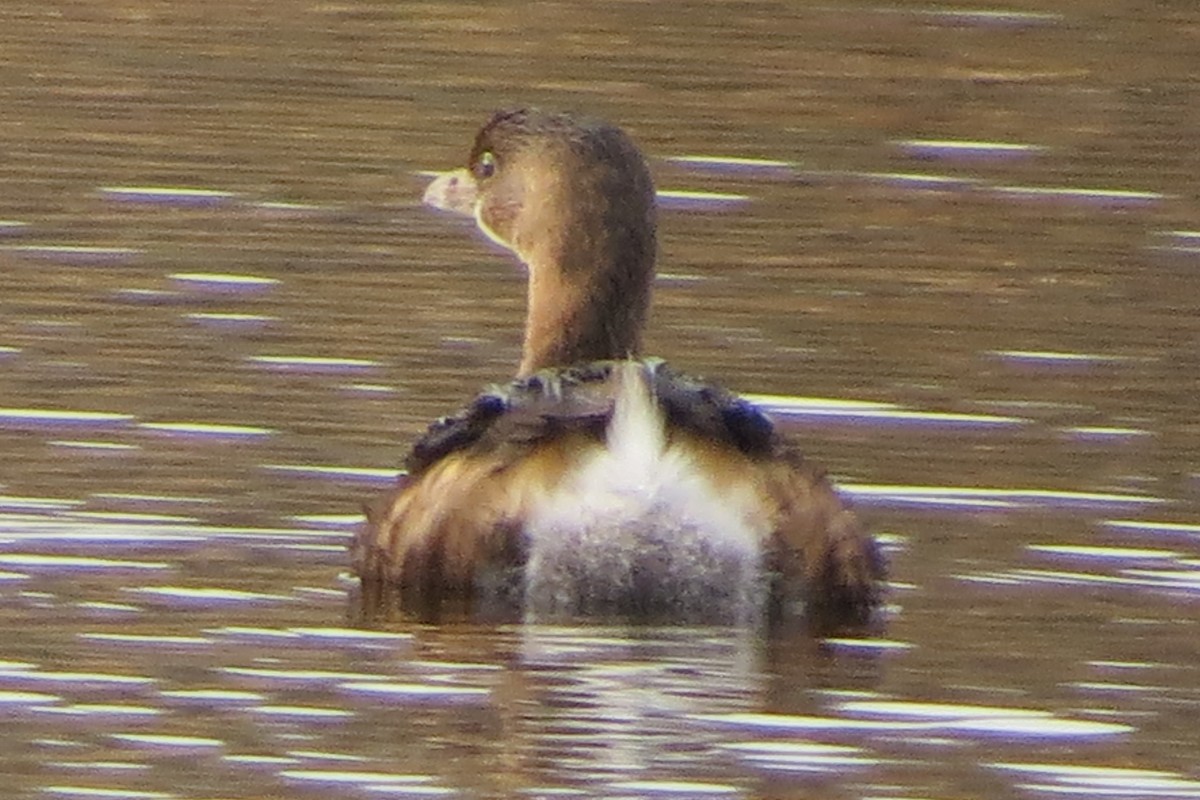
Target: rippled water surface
{"x": 955, "y": 250}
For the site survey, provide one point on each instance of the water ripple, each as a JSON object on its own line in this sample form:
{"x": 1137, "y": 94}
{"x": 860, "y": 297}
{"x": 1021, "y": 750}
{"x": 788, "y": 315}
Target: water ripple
{"x": 167, "y": 745}
{"x": 314, "y": 365}
{"x": 76, "y": 255}
{"x": 51, "y": 419}
{"x": 187, "y": 597}
{"x": 801, "y": 756}
{"x": 223, "y": 283}
{"x": 952, "y": 497}
{"x": 166, "y": 195}
{"x": 1059, "y": 780}
{"x": 205, "y": 431}
{"x": 966, "y": 149}
{"x": 410, "y": 694}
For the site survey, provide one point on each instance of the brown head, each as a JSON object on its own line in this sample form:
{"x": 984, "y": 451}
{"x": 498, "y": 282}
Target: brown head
{"x": 573, "y": 198}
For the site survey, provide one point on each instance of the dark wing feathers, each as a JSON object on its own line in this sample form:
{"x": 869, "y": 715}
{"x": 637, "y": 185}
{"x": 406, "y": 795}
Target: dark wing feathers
{"x": 553, "y": 401}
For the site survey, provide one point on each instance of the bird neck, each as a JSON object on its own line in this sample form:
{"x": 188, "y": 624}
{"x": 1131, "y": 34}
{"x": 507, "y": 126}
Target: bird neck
{"x": 588, "y": 297}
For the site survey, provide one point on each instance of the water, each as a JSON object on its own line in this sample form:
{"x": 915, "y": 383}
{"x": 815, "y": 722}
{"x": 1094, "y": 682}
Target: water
{"x": 954, "y": 251}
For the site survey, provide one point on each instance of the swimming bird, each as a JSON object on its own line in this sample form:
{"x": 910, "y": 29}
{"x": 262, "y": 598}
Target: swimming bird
{"x": 600, "y": 483}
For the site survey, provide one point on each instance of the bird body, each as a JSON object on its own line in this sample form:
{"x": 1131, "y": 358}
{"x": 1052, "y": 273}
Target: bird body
{"x": 598, "y": 483}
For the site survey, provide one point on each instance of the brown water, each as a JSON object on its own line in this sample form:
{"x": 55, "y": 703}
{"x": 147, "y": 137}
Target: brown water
{"x": 1016, "y": 313}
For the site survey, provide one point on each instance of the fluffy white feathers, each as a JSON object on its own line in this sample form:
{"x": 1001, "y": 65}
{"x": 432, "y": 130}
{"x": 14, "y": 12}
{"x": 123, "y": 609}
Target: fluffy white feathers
{"x": 641, "y": 524}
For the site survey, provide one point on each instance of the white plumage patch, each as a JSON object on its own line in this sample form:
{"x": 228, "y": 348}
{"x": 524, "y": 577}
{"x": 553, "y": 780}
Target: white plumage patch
{"x": 641, "y": 527}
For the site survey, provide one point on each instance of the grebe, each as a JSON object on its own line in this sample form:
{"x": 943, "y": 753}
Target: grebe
{"x": 599, "y": 483}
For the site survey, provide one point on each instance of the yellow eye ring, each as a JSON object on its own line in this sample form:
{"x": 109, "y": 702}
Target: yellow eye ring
{"x": 485, "y": 165}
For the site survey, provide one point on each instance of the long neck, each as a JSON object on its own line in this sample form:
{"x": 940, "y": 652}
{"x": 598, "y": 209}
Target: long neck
{"x": 571, "y": 324}
{"x": 589, "y": 287}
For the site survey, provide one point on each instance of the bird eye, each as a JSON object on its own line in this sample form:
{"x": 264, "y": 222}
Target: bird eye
{"x": 485, "y": 165}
